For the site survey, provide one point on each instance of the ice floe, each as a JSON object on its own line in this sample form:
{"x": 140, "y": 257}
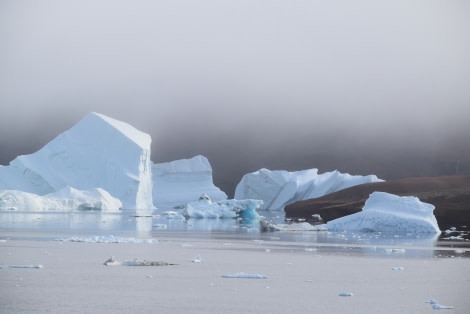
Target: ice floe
{"x": 66, "y": 199}
{"x": 245, "y": 275}
{"x": 39, "y": 266}
{"x": 107, "y": 239}
{"x": 436, "y": 306}
{"x": 112, "y": 261}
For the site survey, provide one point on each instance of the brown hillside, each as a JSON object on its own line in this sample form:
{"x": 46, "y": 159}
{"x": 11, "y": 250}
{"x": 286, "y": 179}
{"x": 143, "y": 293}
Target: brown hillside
{"x": 450, "y": 195}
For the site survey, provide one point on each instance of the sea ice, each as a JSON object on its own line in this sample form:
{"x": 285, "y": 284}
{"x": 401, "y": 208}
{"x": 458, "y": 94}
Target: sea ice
{"x": 205, "y": 208}
{"x": 398, "y": 268}
{"x": 302, "y": 226}
{"x": 279, "y": 188}
{"x": 112, "y": 261}
{"x": 107, "y": 239}
{"x": 197, "y": 259}
{"x": 386, "y": 212}
{"x": 244, "y": 275}
{"x": 66, "y": 199}
{"x": 437, "y": 306}
{"x": 39, "y": 266}
{"x": 346, "y": 294}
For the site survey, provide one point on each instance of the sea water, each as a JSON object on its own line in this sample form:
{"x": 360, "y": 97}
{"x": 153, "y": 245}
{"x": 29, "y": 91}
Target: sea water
{"x": 154, "y": 224}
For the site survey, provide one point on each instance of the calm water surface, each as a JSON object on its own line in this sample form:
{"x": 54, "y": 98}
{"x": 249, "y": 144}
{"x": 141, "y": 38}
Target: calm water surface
{"x": 138, "y": 224}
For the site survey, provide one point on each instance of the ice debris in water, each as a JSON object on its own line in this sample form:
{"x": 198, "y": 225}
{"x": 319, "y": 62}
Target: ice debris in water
{"x": 107, "y": 239}
{"x": 398, "y": 268}
{"x": 437, "y": 306}
{"x": 39, "y": 266}
{"x": 112, "y": 261}
{"x": 395, "y": 251}
{"x": 205, "y": 208}
{"x": 244, "y": 275}
{"x": 197, "y": 259}
{"x": 346, "y": 294}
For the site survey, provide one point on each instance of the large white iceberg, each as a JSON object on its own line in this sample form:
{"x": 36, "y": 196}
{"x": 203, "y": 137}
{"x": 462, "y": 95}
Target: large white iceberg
{"x": 205, "y": 208}
{"x": 97, "y": 152}
{"x": 384, "y": 212}
{"x": 66, "y": 199}
{"x": 181, "y": 181}
{"x": 279, "y": 188}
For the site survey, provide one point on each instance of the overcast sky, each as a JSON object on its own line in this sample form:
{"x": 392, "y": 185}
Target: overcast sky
{"x": 249, "y": 84}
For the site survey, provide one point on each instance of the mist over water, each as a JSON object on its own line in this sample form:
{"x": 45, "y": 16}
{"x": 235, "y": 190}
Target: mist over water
{"x": 361, "y": 87}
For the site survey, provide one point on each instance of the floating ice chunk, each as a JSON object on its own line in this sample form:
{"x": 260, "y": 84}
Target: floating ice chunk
{"x": 302, "y": 226}
{"x": 346, "y": 294}
{"x": 244, "y": 275}
{"x": 309, "y": 249}
{"x": 112, "y": 261}
{"x": 161, "y": 226}
{"x": 142, "y": 262}
{"x": 398, "y": 268}
{"x": 437, "y": 306}
{"x": 205, "y": 208}
{"x": 395, "y": 251}
{"x": 197, "y": 259}
{"x": 173, "y": 215}
{"x": 442, "y": 307}
{"x": 386, "y": 212}
{"x": 39, "y": 266}
{"x": 107, "y": 239}
{"x": 66, "y": 199}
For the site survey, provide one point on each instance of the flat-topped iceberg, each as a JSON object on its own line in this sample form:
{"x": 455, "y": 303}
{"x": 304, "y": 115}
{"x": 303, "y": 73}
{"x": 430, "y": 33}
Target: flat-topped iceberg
{"x": 97, "y": 152}
{"x": 384, "y": 212}
{"x": 205, "y": 208}
{"x": 181, "y": 181}
{"x": 279, "y": 188}
{"x": 66, "y": 199}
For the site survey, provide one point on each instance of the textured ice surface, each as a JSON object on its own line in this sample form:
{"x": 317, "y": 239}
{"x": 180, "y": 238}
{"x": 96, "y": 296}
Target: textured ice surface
{"x": 182, "y": 181}
{"x": 279, "y": 188}
{"x": 97, "y": 152}
{"x": 386, "y": 212}
{"x": 66, "y": 199}
{"x": 205, "y": 208}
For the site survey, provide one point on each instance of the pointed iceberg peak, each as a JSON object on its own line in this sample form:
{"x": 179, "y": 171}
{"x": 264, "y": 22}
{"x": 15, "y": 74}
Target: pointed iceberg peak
{"x": 95, "y": 121}
{"x": 97, "y": 152}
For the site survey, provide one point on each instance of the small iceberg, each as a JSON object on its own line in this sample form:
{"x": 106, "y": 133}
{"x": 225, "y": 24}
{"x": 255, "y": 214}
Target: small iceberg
{"x": 384, "y": 212}
{"x": 205, "y": 208}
